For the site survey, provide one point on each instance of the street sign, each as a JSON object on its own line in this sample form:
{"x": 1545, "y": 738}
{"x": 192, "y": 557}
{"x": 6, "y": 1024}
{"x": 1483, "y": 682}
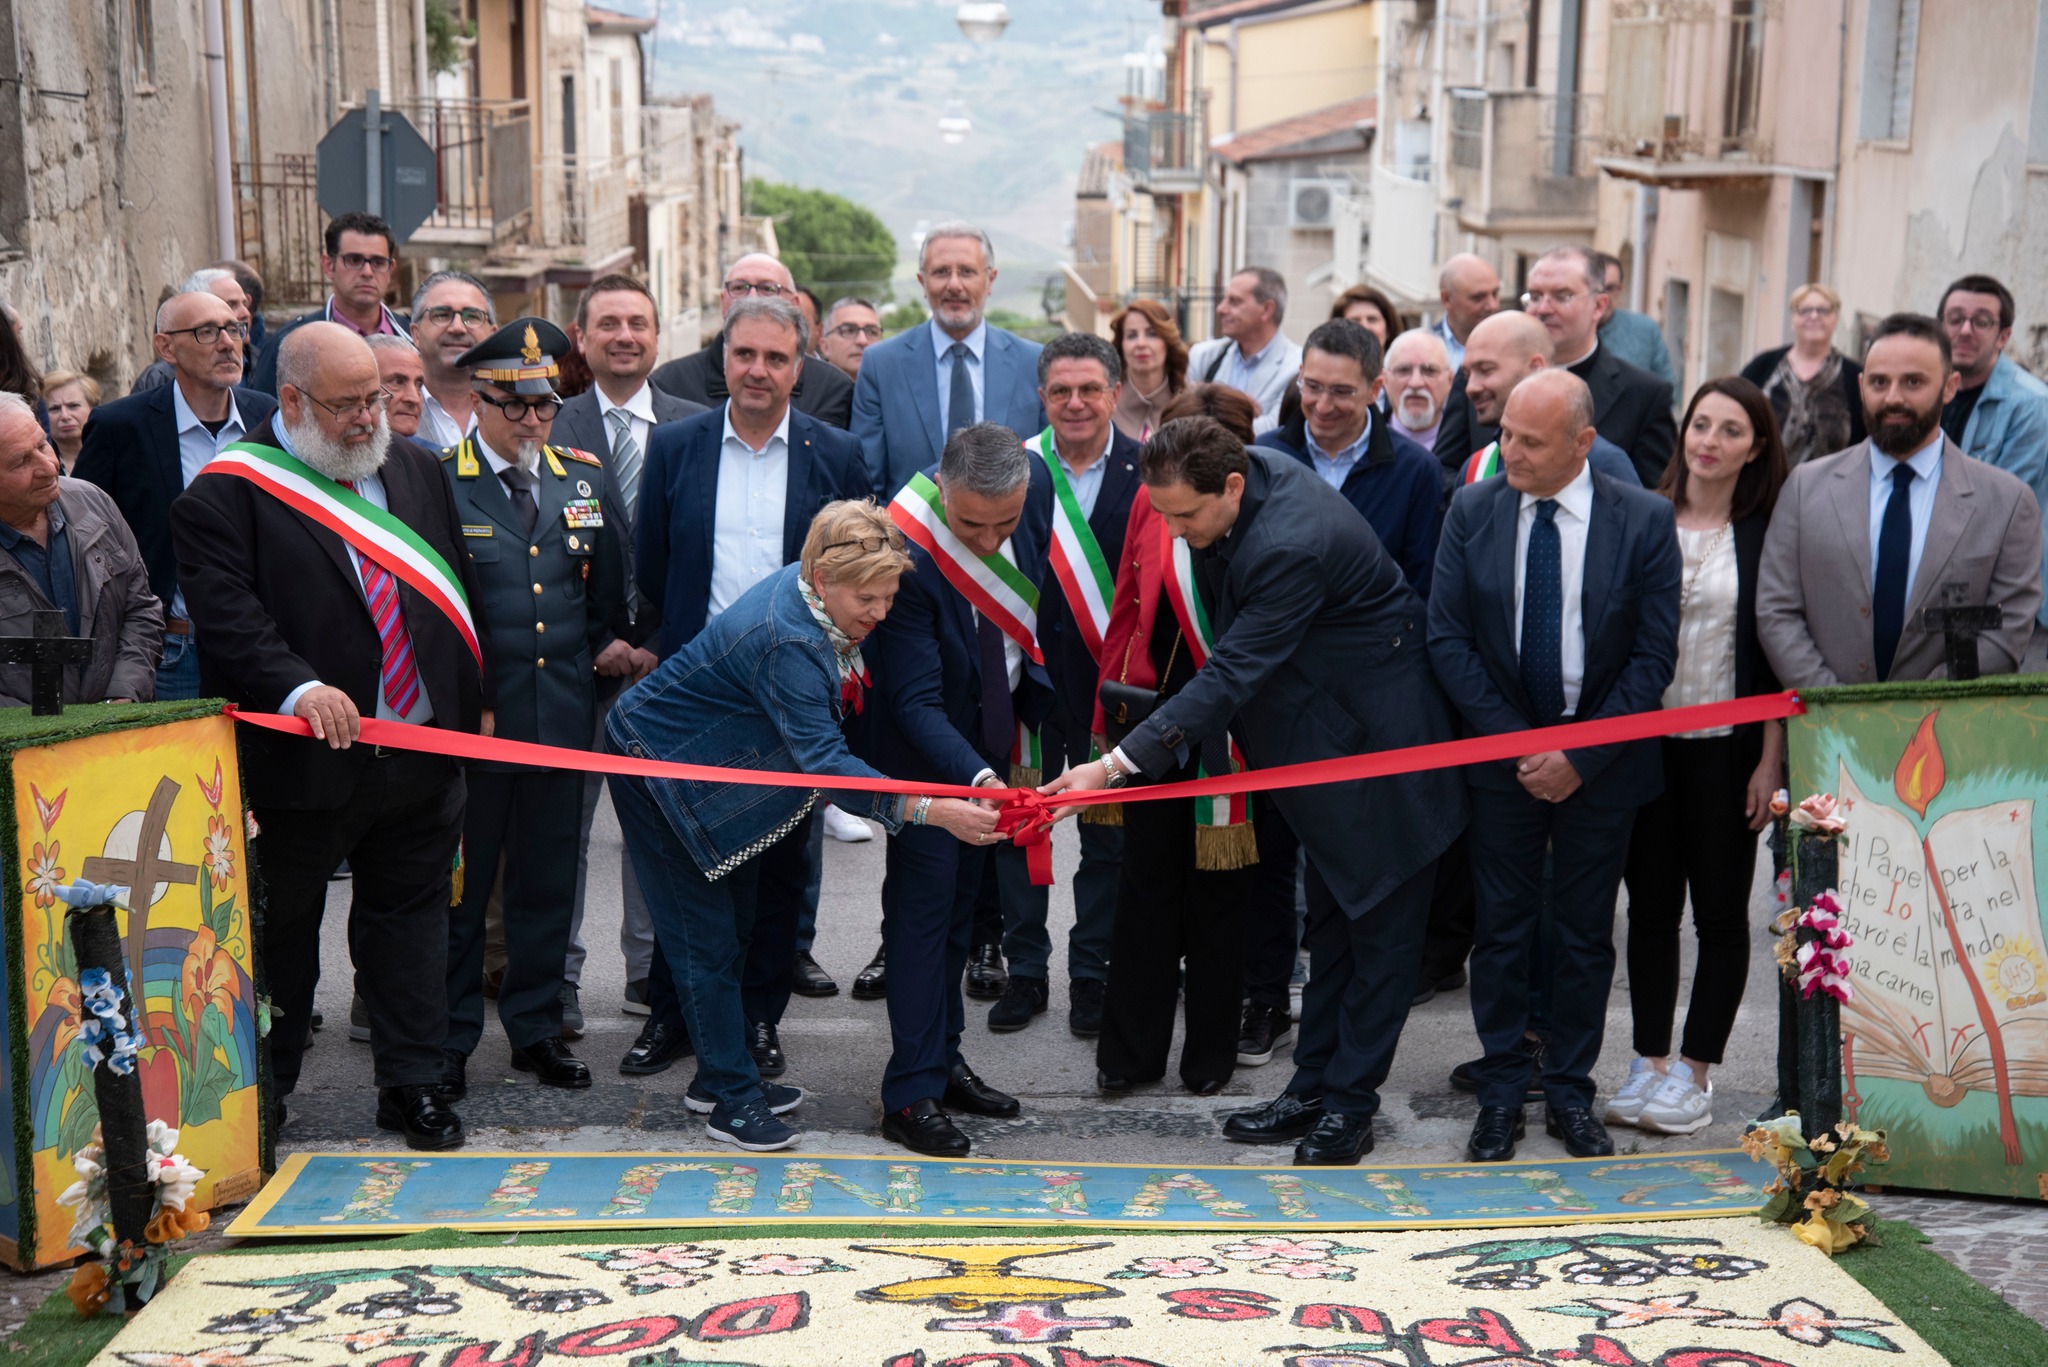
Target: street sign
{"x": 392, "y": 174}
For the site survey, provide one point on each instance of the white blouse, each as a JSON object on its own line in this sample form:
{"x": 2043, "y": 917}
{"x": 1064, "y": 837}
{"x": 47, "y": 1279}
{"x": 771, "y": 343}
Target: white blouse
{"x": 1706, "y": 624}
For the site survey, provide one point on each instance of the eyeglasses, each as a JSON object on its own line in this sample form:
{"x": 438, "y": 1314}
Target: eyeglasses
{"x": 515, "y": 410}
{"x": 1090, "y": 393}
{"x": 1427, "y": 372}
{"x": 441, "y": 316}
{"x": 1314, "y": 389}
{"x": 1813, "y": 311}
{"x": 743, "y": 288}
{"x": 206, "y": 334}
{"x": 873, "y": 545}
{"x": 871, "y": 331}
{"x": 1556, "y": 298}
{"x": 1980, "y": 322}
{"x": 355, "y": 261}
{"x": 348, "y": 408}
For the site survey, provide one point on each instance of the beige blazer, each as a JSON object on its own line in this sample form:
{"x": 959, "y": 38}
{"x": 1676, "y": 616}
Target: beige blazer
{"x": 1813, "y": 591}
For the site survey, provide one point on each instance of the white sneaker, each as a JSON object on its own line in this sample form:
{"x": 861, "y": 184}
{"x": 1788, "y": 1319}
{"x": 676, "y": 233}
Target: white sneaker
{"x": 846, "y": 826}
{"x": 1678, "y": 1105}
{"x": 1627, "y": 1104}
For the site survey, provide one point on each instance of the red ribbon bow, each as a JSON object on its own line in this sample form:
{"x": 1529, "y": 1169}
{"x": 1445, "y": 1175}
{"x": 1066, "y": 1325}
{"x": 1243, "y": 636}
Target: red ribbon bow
{"x": 1027, "y": 819}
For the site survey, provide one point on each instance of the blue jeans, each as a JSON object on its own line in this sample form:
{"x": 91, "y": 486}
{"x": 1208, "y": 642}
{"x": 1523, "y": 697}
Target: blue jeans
{"x": 177, "y": 674}
{"x": 703, "y": 927}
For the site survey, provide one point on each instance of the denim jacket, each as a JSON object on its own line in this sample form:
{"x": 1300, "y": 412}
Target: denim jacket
{"x": 756, "y": 689}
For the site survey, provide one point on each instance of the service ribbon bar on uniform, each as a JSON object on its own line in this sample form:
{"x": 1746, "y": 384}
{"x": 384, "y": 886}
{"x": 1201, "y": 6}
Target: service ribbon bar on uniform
{"x": 1077, "y": 559}
{"x": 353, "y": 518}
{"x": 997, "y": 588}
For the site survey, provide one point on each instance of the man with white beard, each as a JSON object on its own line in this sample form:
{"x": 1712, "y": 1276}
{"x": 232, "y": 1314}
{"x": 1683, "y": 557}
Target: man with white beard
{"x": 551, "y": 576}
{"x": 1419, "y": 373}
{"x": 315, "y": 606}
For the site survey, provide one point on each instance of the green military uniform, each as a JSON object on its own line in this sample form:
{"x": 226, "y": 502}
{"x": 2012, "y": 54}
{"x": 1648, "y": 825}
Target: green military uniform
{"x": 551, "y": 596}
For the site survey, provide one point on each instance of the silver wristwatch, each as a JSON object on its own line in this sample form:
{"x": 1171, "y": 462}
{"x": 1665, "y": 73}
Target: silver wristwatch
{"x": 1114, "y": 774}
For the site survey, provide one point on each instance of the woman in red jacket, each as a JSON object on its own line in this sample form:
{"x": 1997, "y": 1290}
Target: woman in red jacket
{"x": 1188, "y": 866}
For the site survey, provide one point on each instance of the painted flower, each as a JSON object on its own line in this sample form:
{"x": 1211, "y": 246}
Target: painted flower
{"x": 1618, "y": 1313}
{"x": 226, "y": 1355}
{"x": 45, "y": 874}
{"x": 559, "y": 1302}
{"x": 63, "y": 995}
{"x": 1278, "y": 1246}
{"x": 1303, "y": 1271}
{"x": 1719, "y": 1267}
{"x": 1174, "y": 1269}
{"x": 647, "y": 1283}
{"x": 784, "y": 1265}
{"x": 1802, "y": 1321}
{"x": 220, "y": 850}
{"x": 1501, "y": 1279}
{"x": 385, "y": 1336}
{"x": 681, "y": 1257}
{"x": 259, "y": 1319}
{"x": 1595, "y": 1270}
{"x": 207, "y": 978}
{"x": 396, "y": 1305}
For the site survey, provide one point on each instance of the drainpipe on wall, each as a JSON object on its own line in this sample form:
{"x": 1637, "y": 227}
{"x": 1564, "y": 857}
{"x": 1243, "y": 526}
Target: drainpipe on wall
{"x": 1567, "y": 121}
{"x": 1639, "y": 232}
{"x": 217, "y": 109}
{"x": 383, "y": 9}
{"x": 420, "y": 74}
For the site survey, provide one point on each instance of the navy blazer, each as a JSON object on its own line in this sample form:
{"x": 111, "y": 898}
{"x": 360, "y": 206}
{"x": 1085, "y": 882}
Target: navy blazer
{"x": 1396, "y": 484}
{"x": 928, "y": 726}
{"x": 1629, "y": 607}
{"x": 1074, "y": 671}
{"x": 130, "y": 449}
{"x": 896, "y": 401}
{"x": 679, "y": 501}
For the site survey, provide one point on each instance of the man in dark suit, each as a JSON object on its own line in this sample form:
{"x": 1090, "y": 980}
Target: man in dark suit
{"x": 298, "y": 618}
{"x": 1318, "y": 654}
{"x": 1390, "y": 480}
{"x": 1631, "y": 407}
{"x": 822, "y": 391}
{"x": 926, "y": 383}
{"x": 618, "y": 330}
{"x": 1556, "y": 600}
{"x": 144, "y": 449}
{"x": 727, "y": 498}
{"x": 957, "y": 670}
{"x": 359, "y": 256}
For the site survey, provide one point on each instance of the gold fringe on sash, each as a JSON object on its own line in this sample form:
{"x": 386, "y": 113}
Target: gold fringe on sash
{"x": 1107, "y": 814}
{"x": 1020, "y": 777}
{"x": 1220, "y": 848}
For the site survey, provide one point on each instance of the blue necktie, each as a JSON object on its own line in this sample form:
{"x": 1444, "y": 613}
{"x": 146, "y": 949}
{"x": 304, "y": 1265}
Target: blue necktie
{"x": 1894, "y": 552}
{"x": 998, "y": 708}
{"x": 1543, "y": 617}
{"x": 960, "y": 404}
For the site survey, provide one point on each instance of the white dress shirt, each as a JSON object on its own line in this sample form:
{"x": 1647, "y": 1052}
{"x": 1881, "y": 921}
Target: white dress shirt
{"x": 1926, "y": 463}
{"x": 197, "y": 447}
{"x": 371, "y": 490}
{"x": 746, "y": 518}
{"x": 1013, "y": 654}
{"x": 440, "y": 431}
{"x": 977, "y": 348}
{"x": 1574, "y": 519}
{"x": 639, "y": 411}
{"x": 1087, "y": 484}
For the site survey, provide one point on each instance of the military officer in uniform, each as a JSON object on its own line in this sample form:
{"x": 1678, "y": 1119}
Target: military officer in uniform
{"x": 552, "y": 599}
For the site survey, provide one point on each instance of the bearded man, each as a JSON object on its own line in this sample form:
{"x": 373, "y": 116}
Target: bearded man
{"x": 308, "y": 611}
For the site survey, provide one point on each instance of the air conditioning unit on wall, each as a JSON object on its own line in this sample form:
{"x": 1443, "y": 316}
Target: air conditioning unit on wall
{"x": 1312, "y": 204}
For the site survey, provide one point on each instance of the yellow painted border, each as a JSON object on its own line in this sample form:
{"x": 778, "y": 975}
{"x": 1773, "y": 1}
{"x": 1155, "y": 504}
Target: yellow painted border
{"x": 249, "y": 1223}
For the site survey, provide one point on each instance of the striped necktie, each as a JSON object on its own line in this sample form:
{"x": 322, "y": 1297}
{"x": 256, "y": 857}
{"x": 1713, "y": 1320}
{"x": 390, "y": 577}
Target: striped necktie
{"x": 400, "y": 671}
{"x": 626, "y": 460}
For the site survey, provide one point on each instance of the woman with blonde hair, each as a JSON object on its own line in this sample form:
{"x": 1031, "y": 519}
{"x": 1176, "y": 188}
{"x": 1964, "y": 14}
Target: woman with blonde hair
{"x": 1815, "y": 391}
{"x": 1155, "y": 362}
{"x": 71, "y": 397}
{"x": 767, "y": 685}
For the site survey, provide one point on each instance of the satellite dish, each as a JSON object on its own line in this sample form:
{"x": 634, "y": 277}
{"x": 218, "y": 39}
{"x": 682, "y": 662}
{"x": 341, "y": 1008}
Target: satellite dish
{"x": 954, "y": 125}
{"x": 983, "y": 21}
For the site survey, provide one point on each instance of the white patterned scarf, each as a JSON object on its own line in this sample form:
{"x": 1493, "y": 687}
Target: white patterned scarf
{"x": 853, "y": 671}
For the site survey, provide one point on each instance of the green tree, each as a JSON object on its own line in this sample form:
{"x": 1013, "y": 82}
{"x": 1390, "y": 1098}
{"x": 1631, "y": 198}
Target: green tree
{"x": 831, "y": 245}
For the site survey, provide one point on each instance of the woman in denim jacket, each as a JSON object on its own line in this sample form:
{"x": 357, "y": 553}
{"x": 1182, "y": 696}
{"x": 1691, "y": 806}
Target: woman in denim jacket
{"x": 766, "y": 685}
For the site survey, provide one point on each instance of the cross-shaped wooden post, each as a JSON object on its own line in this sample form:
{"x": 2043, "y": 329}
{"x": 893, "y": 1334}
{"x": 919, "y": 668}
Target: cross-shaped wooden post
{"x": 1960, "y": 624}
{"x": 46, "y": 653}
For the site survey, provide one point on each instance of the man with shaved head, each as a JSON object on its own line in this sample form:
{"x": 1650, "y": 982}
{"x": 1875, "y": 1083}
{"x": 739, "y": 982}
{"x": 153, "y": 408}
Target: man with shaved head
{"x": 1528, "y": 630}
{"x": 315, "y": 610}
{"x": 1469, "y": 290}
{"x": 216, "y": 280}
{"x": 144, "y": 449}
{"x": 1503, "y": 351}
{"x": 822, "y": 389}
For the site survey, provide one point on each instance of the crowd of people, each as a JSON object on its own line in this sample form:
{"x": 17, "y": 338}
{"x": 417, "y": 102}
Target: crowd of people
{"x": 957, "y": 559}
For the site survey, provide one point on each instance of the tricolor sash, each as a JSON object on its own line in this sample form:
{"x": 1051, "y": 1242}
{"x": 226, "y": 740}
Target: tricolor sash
{"x": 362, "y": 524}
{"x": 1223, "y": 831}
{"x": 998, "y": 590}
{"x": 1077, "y": 560}
{"x": 1483, "y": 465}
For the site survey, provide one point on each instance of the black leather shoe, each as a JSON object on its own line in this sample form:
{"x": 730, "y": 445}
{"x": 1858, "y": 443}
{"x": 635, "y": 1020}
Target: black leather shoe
{"x": 766, "y": 1047}
{"x": 1084, "y": 1006}
{"x": 413, "y": 1112}
{"x": 1022, "y": 999}
{"x": 454, "y": 1078}
{"x": 1209, "y": 1088}
{"x": 1111, "y": 1085}
{"x": 809, "y": 980}
{"x": 657, "y": 1047}
{"x": 1336, "y": 1140}
{"x": 923, "y": 1128}
{"x": 873, "y": 983}
{"x": 1465, "y": 1077}
{"x": 1494, "y": 1134}
{"x": 986, "y": 976}
{"x": 551, "y": 1064}
{"x": 1583, "y": 1134}
{"x": 966, "y": 1092}
{"x": 1286, "y": 1117}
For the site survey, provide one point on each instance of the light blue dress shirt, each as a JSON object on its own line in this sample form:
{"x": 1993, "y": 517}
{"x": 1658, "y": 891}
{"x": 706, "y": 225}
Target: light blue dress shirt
{"x": 1336, "y": 468}
{"x": 1087, "y": 485}
{"x": 747, "y": 511}
{"x": 1926, "y": 463}
{"x": 196, "y": 448}
{"x": 977, "y": 347}
{"x": 1451, "y": 343}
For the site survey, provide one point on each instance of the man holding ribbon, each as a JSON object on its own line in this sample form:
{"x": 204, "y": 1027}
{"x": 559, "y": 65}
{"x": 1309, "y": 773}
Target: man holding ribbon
{"x": 332, "y": 586}
{"x": 961, "y": 678}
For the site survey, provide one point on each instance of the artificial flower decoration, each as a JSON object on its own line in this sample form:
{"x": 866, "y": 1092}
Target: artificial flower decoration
{"x": 1820, "y": 814}
{"x": 124, "y": 1272}
{"x": 1814, "y": 1176}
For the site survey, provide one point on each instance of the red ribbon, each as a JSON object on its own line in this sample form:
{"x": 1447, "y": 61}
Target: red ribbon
{"x": 1027, "y": 816}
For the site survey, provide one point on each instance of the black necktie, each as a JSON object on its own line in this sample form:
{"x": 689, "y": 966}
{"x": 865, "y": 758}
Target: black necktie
{"x": 1543, "y": 616}
{"x": 998, "y": 712}
{"x": 960, "y": 403}
{"x": 519, "y": 484}
{"x": 1894, "y": 552}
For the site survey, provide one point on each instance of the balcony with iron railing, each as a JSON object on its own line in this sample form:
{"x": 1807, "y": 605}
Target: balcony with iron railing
{"x": 1164, "y": 152}
{"x": 1521, "y": 160}
{"x": 586, "y": 221}
{"x": 483, "y": 156}
{"x": 1685, "y": 91}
